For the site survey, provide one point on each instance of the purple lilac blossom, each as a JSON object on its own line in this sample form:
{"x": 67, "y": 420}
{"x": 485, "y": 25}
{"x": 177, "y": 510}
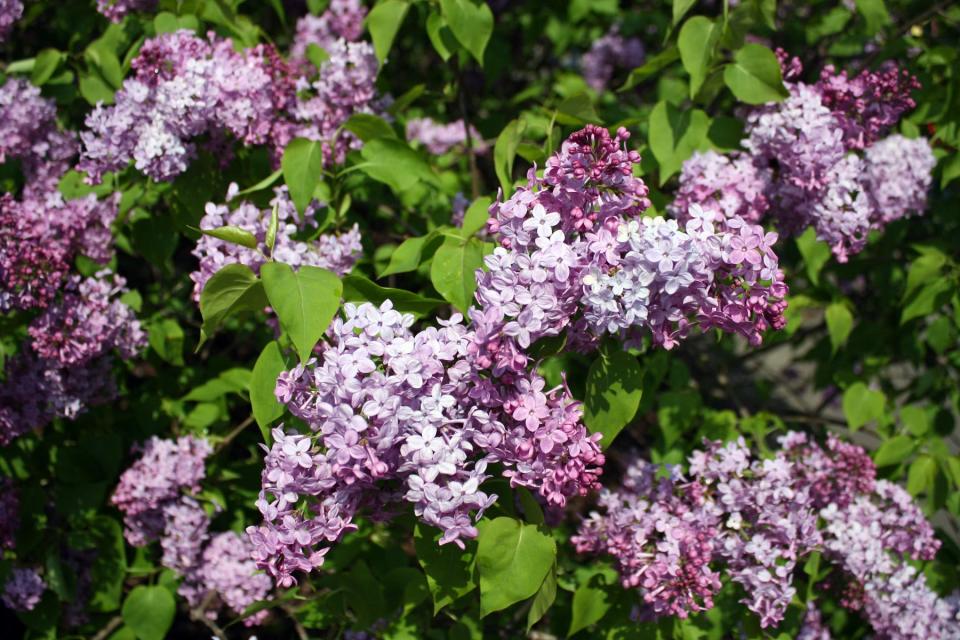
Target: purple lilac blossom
{"x": 897, "y": 176}
{"x": 342, "y": 19}
{"x": 23, "y": 589}
{"x": 184, "y": 87}
{"x": 9, "y": 513}
{"x": 756, "y": 520}
{"x": 813, "y": 627}
{"x": 440, "y": 138}
{"x": 115, "y": 10}
{"x": 609, "y": 53}
{"x": 10, "y": 12}
{"x": 726, "y": 186}
{"x": 228, "y": 569}
{"x": 337, "y": 252}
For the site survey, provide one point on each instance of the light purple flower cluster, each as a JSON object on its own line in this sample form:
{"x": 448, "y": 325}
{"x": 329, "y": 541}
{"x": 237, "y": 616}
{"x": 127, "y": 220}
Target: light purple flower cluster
{"x": 9, "y": 513}
{"x": 337, "y": 252}
{"x": 10, "y": 12}
{"x": 185, "y": 87}
{"x": 386, "y": 404}
{"x": 609, "y": 53}
{"x": 342, "y": 19}
{"x": 576, "y": 254}
{"x": 440, "y": 138}
{"x": 755, "y": 519}
{"x": 29, "y": 132}
{"x": 154, "y": 496}
{"x": 813, "y": 627}
{"x": 23, "y": 590}
{"x": 817, "y": 160}
{"x": 115, "y": 10}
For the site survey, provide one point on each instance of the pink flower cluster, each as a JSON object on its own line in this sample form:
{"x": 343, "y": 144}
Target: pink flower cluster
{"x": 187, "y": 88}
{"x": 440, "y": 138}
{"x": 389, "y": 407}
{"x": 115, "y": 10}
{"x": 577, "y": 257}
{"x": 754, "y": 519}
{"x": 818, "y": 160}
{"x": 337, "y": 252}
{"x": 154, "y": 495}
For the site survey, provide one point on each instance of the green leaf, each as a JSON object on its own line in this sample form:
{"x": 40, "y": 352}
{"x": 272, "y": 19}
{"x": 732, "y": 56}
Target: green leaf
{"x": 263, "y": 184}
{"x": 367, "y": 126}
{"x": 154, "y": 237}
{"x": 392, "y": 162}
{"x": 148, "y": 612}
{"x": 675, "y": 135}
{"x": 453, "y": 271}
{"x": 166, "y": 338}
{"x": 696, "y": 43}
{"x": 930, "y": 298}
{"x": 924, "y": 270}
{"x": 505, "y": 151}
{"x": 839, "y": 324}
{"x": 384, "y": 21}
{"x": 754, "y": 75}
{"x": 916, "y": 419}
{"x": 45, "y": 65}
{"x": 317, "y": 55}
{"x": 475, "y": 219}
{"x": 232, "y": 234}
{"x": 862, "y": 405}
{"x": 302, "y": 165}
{"x": 266, "y": 408}
{"x": 921, "y": 476}
{"x": 406, "y": 257}
{"x": 577, "y": 109}
{"x": 875, "y": 14}
{"x": 357, "y": 288}
{"x": 893, "y": 451}
{"x": 109, "y": 566}
{"x": 305, "y": 301}
{"x": 471, "y": 22}
{"x": 544, "y": 598}
{"x": 234, "y": 288}
{"x": 271, "y": 237}
{"x": 441, "y": 37}
{"x": 451, "y": 572}
{"x": 591, "y": 601}
{"x": 680, "y": 8}
{"x": 651, "y": 67}
{"x": 815, "y": 254}
{"x": 512, "y": 559}
{"x": 614, "y": 389}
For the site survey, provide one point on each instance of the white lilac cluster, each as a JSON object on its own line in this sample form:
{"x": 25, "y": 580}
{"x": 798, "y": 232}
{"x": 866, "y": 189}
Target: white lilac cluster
{"x": 576, "y": 256}
{"x": 818, "y": 159}
{"x": 673, "y": 535}
{"x": 337, "y": 252}
{"x": 389, "y": 407}
{"x": 156, "y": 497}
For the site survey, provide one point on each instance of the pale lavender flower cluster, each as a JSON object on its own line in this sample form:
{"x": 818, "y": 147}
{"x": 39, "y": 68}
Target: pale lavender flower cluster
{"x": 576, "y": 254}
{"x": 440, "y": 138}
{"x": 9, "y": 513}
{"x": 813, "y": 627}
{"x": 609, "y": 53}
{"x": 23, "y": 590}
{"x": 115, "y": 10}
{"x": 154, "y": 497}
{"x": 386, "y": 404}
{"x": 337, "y": 252}
{"x": 817, "y": 160}
{"x": 10, "y": 12}
{"x": 754, "y": 520}
{"x": 342, "y": 19}
{"x": 185, "y": 87}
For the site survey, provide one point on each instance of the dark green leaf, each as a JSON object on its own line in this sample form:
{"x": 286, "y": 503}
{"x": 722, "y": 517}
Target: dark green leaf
{"x": 651, "y": 67}
{"x": 263, "y": 382}
{"x": 357, "y": 288}
{"x": 505, "y": 151}
{"x": 232, "y": 234}
{"x": 393, "y": 162}
{"x": 591, "y": 601}
{"x": 367, "y": 126}
{"x": 234, "y": 288}
{"x": 931, "y": 297}
{"x": 166, "y": 338}
{"x": 451, "y": 572}
{"x": 875, "y": 14}
{"x": 544, "y": 598}
{"x": 614, "y": 389}
{"x": 45, "y": 65}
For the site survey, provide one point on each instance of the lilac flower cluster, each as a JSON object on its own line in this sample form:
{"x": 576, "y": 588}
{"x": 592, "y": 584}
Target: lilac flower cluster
{"x": 9, "y": 513}
{"x": 818, "y": 160}
{"x": 577, "y": 256}
{"x": 343, "y": 19}
{"x": 756, "y": 519}
{"x": 440, "y": 138}
{"x": 331, "y": 251}
{"x": 154, "y": 497}
{"x": 609, "y": 53}
{"x": 115, "y": 10}
{"x": 386, "y": 404}
{"x": 184, "y": 87}
{"x": 813, "y": 627}
{"x": 10, "y": 12}
{"x": 23, "y": 589}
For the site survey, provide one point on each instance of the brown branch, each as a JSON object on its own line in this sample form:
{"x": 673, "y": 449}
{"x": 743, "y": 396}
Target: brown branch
{"x": 197, "y": 615}
{"x": 115, "y": 622}
{"x": 297, "y": 625}
{"x": 471, "y": 152}
{"x": 233, "y": 434}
